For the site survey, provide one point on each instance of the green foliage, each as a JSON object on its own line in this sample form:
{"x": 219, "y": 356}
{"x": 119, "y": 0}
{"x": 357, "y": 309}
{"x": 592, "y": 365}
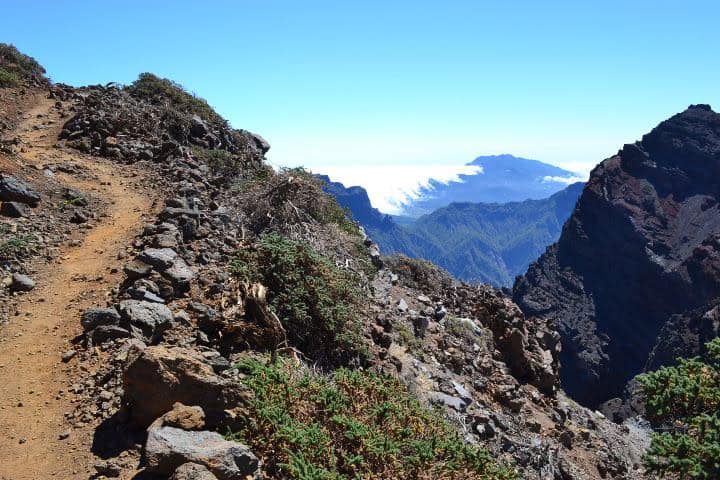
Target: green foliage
{"x": 158, "y": 90}
{"x": 408, "y": 338}
{"x": 351, "y": 425}
{"x": 460, "y": 328}
{"x": 221, "y": 162}
{"x": 317, "y": 302}
{"x": 687, "y": 399}
{"x": 16, "y": 67}
{"x": 8, "y": 79}
{"x": 14, "y": 246}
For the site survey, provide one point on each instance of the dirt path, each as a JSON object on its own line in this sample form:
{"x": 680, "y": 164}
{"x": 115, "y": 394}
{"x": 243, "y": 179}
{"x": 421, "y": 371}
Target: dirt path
{"x": 31, "y": 372}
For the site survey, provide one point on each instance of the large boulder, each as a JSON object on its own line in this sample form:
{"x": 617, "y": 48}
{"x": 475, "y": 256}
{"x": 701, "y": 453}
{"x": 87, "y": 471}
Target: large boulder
{"x": 14, "y": 190}
{"x": 167, "y": 448}
{"x": 161, "y": 376}
{"x": 160, "y": 258}
{"x": 152, "y": 318}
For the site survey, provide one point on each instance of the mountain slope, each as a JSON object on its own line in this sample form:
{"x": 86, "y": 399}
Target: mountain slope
{"x": 632, "y": 279}
{"x": 476, "y": 242}
{"x": 500, "y": 179}
{"x": 493, "y": 243}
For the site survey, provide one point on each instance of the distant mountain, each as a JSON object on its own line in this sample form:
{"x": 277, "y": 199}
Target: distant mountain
{"x": 477, "y": 242}
{"x": 500, "y": 179}
{"x": 493, "y": 242}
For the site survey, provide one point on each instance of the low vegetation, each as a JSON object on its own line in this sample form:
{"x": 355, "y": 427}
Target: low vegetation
{"x": 16, "y": 68}
{"x": 291, "y": 197}
{"x": 221, "y": 162}
{"x": 317, "y": 303}
{"x": 351, "y": 425}
{"x": 685, "y": 401}
{"x": 158, "y": 90}
{"x": 14, "y": 246}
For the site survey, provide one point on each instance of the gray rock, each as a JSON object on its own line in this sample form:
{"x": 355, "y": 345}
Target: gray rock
{"x": 192, "y": 471}
{"x": 160, "y": 258}
{"x": 402, "y": 305}
{"x": 14, "y": 190}
{"x": 137, "y": 269}
{"x": 14, "y": 210}
{"x": 78, "y": 217}
{"x": 151, "y": 318}
{"x": 462, "y": 392}
{"x": 179, "y": 273}
{"x": 21, "y": 283}
{"x": 104, "y": 333}
{"x": 167, "y": 448}
{"x": 144, "y": 295}
{"x": 99, "y": 316}
{"x": 448, "y": 400}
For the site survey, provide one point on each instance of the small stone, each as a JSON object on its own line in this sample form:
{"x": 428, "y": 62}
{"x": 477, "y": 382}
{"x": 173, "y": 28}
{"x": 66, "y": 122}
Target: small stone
{"x": 69, "y": 355}
{"x": 21, "y": 283}
{"x": 402, "y": 305}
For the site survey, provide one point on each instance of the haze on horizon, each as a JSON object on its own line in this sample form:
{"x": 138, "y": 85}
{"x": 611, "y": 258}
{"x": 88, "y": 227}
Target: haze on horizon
{"x": 385, "y": 94}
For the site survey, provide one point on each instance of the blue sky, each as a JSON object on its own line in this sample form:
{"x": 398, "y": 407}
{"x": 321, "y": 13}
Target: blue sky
{"x": 405, "y": 88}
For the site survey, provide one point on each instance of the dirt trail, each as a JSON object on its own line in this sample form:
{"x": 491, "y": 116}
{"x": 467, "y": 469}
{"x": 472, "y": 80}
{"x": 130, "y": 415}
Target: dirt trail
{"x": 31, "y": 372}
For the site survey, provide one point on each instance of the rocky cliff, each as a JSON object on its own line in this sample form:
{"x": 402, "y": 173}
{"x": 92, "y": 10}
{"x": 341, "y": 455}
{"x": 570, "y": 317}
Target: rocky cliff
{"x": 632, "y": 280}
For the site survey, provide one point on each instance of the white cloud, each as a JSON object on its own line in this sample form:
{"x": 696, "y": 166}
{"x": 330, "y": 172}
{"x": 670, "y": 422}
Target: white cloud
{"x": 565, "y": 180}
{"x": 388, "y": 186}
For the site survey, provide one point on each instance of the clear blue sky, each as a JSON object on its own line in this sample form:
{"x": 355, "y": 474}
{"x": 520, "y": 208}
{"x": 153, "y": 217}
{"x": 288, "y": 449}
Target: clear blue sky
{"x": 336, "y": 84}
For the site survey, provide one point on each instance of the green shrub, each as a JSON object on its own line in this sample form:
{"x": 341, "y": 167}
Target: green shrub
{"x": 8, "y": 79}
{"x": 158, "y": 90}
{"x": 461, "y": 328}
{"x": 220, "y": 162}
{"x": 686, "y": 399}
{"x": 14, "y": 246}
{"x": 15, "y": 67}
{"x": 351, "y": 425}
{"x": 317, "y": 303}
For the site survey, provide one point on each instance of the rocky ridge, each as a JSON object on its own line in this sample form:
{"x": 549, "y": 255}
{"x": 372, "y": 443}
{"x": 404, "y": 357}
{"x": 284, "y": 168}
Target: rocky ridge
{"x": 633, "y": 280}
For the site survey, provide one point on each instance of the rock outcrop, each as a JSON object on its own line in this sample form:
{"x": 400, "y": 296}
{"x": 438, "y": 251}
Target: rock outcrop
{"x": 638, "y": 262}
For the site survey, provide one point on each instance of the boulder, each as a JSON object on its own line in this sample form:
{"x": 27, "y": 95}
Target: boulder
{"x": 167, "y": 448}
{"x": 96, "y": 317}
{"x": 192, "y": 471}
{"x": 160, "y": 258}
{"x": 180, "y": 274}
{"x": 151, "y": 318}
{"x": 161, "y": 376}
{"x": 14, "y": 190}
{"x": 14, "y": 210}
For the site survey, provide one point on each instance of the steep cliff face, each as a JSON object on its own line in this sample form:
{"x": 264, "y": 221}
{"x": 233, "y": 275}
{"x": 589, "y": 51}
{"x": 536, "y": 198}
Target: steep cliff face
{"x": 638, "y": 261}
